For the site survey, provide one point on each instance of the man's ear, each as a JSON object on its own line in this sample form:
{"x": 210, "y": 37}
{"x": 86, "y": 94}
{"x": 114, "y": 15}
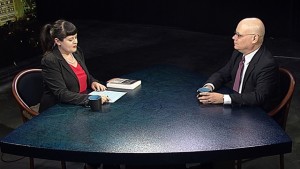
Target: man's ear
{"x": 255, "y": 38}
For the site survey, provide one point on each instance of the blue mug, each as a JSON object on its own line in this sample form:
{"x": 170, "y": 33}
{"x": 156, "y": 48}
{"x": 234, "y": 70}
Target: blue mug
{"x": 95, "y": 102}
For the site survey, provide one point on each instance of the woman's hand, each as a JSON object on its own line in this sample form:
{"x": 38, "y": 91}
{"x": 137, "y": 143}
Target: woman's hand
{"x": 210, "y": 98}
{"x": 97, "y": 86}
{"x": 104, "y": 99}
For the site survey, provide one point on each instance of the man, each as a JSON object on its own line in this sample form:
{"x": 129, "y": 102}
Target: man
{"x": 257, "y": 83}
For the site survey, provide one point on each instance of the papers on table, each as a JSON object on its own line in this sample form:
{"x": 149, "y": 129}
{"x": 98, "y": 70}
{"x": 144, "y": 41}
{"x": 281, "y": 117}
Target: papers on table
{"x": 112, "y": 95}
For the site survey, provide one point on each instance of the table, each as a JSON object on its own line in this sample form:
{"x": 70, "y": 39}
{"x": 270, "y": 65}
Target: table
{"x": 161, "y": 122}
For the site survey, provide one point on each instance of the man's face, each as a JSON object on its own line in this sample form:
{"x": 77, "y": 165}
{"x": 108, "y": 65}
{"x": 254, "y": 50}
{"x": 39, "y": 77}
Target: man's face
{"x": 243, "y": 38}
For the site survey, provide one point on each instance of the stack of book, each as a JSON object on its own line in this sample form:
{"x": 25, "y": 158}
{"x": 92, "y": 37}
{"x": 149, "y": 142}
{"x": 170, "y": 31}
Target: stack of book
{"x": 123, "y": 83}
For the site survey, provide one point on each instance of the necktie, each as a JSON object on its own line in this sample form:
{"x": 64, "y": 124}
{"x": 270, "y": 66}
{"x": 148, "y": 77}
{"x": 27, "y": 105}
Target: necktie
{"x": 238, "y": 75}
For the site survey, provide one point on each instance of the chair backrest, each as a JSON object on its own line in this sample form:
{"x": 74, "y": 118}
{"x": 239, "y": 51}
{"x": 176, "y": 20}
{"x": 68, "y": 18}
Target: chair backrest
{"x": 27, "y": 88}
{"x": 287, "y": 87}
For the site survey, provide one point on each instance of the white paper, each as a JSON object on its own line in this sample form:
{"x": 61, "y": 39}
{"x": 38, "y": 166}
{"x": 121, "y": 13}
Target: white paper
{"x": 112, "y": 95}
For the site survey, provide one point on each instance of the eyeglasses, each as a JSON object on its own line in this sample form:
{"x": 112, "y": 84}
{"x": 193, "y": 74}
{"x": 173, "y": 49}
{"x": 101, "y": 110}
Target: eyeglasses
{"x": 240, "y": 35}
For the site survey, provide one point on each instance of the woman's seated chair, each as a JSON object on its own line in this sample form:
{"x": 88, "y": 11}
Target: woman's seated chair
{"x": 27, "y": 89}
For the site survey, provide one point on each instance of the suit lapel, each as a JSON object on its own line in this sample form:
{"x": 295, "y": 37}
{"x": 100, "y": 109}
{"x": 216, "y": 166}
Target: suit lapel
{"x": 79, "y": 60}
{"x": 252, "y": 65}
{"x": 64, "y": 63}
{"x": 76, "y": 55}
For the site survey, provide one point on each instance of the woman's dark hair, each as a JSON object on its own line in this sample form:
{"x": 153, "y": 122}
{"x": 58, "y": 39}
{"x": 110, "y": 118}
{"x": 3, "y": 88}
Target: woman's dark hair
{"x": 60, "y": 29}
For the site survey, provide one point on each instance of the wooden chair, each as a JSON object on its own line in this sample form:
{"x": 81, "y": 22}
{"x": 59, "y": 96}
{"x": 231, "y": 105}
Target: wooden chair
{"x": 281, "y": 111}
{"x": 287, "y": 87}
{"x": 27, "y": 89}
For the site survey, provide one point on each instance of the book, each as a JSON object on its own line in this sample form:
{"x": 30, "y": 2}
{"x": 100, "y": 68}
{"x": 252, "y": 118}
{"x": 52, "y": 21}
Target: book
{"x": 123, "y": 83}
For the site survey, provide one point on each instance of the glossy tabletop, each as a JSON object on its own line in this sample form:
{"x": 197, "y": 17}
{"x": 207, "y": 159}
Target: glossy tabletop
{"x": 159, "y": 122}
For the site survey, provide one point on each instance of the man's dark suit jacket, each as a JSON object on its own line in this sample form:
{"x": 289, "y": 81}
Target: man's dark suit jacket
{"x": 60, "y": 82}
{"x": 261, "y": 80}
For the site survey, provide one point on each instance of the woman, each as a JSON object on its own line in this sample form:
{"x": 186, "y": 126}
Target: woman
{"x": 66, "y": 77}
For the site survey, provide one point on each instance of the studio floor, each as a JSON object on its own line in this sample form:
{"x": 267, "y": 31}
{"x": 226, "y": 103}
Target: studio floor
{"x": 113, "y": 49}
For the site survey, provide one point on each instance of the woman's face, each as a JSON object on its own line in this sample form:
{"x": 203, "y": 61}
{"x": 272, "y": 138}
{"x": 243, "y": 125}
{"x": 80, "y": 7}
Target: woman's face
{"x": 68, "y": 45}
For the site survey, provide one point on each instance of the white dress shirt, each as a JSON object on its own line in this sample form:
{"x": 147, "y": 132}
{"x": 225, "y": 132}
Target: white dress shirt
{"x": 248, "y": 58}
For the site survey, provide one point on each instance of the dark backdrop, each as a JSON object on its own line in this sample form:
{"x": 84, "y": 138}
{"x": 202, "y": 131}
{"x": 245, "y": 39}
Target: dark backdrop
{"x": 281, "y": 17}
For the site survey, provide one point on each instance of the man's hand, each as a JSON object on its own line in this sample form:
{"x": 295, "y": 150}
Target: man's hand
{"x": 210, "y": 98}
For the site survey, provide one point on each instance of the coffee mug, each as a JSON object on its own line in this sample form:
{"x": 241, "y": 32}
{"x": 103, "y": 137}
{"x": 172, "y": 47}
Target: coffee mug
{"x": 95, "y": 102}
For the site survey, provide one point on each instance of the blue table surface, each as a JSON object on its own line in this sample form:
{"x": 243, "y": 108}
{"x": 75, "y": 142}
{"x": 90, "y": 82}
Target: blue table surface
{"x": 159, "y": 122}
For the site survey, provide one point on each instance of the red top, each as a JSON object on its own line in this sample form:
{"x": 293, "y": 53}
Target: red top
{"x": 81, "y": 76}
